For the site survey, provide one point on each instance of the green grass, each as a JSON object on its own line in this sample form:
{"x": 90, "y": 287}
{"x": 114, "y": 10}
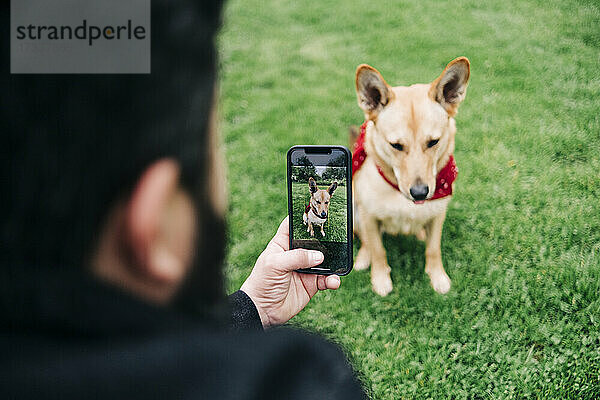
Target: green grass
{"x": 335, "y": 228}
{"x": 521, "y": 240}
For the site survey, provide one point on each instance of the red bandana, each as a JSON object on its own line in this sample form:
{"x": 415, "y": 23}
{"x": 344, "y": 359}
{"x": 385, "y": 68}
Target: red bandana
{"x": 443, "y": 181}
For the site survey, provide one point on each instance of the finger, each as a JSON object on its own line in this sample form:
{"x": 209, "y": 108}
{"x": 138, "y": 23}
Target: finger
{"x": 282, "y": 236}
{"x": 284, "y": 226}
{"x": 309, "y": 282}
{"x": 321, "y": 285}
{"x": 294, "y": 259}
{"x": 333, "y": 282}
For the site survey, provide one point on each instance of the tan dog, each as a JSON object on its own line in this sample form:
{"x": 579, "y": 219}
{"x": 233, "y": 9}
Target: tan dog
{"x": 318, "y": 208}
{"x": 408, "y": 140}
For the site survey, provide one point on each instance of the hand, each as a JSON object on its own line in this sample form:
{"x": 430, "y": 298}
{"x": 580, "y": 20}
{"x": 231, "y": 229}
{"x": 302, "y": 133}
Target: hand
{"x": 277, "y": 290}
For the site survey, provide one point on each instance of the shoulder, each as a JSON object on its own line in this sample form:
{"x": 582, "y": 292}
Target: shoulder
{"x": 195, "y": 362}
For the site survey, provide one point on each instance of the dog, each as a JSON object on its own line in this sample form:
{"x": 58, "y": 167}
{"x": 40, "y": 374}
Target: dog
{"x": 403, "y": 166}
{"x": 317, "y": 210}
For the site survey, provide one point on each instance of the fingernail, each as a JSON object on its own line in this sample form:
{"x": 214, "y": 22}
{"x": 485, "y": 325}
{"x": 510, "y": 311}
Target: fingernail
{"x": 316, "y": 256}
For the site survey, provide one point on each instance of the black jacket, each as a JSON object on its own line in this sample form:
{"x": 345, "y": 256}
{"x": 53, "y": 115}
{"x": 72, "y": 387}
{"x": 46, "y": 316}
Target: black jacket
{"x": 79, "y": 339}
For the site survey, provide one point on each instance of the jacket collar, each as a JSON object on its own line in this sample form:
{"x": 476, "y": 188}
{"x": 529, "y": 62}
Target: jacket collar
{"x": 73, "y": 303}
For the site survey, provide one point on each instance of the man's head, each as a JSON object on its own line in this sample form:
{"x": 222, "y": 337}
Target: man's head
{"x": 110, "y": 173}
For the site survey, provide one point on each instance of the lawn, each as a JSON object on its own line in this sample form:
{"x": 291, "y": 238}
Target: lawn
{"x": 335, "y": 228}
{"x": 521, "y": 240}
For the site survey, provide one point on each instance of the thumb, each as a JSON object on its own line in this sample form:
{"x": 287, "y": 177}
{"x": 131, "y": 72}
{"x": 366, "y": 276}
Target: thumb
{"x": 295, "y": 259}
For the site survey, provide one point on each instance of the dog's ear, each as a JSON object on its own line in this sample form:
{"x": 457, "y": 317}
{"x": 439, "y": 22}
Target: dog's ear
{"x": 450, "y": 88}
{"x": 312, "y": 185}
{"x": 372, "y": 91}
{"x": 332, "y": 188}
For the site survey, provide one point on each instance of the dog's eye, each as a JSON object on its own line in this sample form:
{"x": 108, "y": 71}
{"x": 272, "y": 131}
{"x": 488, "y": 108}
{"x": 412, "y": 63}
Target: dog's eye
{"x": 326, "y": 202}
{"x": 432, "y": 143}
{"x": 397, "y": 146}
{"x": 318, "y": 202}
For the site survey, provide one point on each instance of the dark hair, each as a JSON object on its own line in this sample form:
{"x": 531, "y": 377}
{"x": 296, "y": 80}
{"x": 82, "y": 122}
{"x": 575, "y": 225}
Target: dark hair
{"x": 74, "y": 144}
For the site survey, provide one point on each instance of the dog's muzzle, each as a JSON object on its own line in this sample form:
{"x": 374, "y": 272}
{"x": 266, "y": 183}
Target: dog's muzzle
{"x": 419, "y": 192}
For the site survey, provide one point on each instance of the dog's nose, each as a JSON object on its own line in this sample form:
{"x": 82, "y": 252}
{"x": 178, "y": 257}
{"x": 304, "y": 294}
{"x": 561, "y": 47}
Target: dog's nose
{"x": 323, "y": 214}
{"x": 419, "y": 192}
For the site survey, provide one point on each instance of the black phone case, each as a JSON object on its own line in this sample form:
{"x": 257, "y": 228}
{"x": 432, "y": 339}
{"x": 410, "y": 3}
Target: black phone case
{"x": 350, "y": 216}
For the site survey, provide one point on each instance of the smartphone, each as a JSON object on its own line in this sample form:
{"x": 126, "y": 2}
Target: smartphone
{"x": 319, "y": 181}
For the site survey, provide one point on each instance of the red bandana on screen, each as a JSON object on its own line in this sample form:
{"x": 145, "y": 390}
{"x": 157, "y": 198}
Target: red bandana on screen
{"x": 443, "y": 181}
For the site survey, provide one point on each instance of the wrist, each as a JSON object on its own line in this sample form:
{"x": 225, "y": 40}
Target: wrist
{"x": 264, "y": 317}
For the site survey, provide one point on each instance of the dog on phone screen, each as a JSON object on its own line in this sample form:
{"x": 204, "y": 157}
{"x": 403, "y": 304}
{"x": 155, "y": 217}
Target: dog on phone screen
{"x": 317, "y": 210}
{"x": 403, "y": 166}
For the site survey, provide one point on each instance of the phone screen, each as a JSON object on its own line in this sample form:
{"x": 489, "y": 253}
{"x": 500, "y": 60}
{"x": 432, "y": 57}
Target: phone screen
{"x": 320, "y": 205}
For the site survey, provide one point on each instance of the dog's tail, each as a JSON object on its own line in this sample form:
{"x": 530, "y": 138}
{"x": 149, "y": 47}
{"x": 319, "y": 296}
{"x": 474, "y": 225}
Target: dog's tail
{"x": 353, "y": 135}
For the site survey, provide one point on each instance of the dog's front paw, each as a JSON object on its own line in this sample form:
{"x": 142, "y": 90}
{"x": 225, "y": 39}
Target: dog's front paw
{"x": 362, "y": 260}
{"x": 382, "y": 283}
{"x": 440, "y": 281}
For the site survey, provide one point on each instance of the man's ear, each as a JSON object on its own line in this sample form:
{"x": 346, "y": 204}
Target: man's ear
{"x": 372, "y": 91}
{"x": 332, "y": 188}
{"x": 312, "y": 185}
{"x": 146, "y": 210}
{"x": 450, "y": 88}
